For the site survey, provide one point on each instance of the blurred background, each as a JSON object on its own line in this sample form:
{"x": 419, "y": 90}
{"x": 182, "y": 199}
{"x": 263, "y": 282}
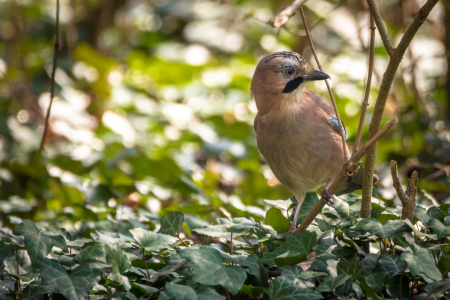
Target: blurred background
{"x": 152, "y": 110}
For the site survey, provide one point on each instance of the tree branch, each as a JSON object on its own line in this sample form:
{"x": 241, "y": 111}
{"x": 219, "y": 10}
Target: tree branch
{"x": 341, "y": 128}
{"x": 348, "y": 170}
{"x": 381, "y": 27}
{"x": 286, "y": 13}
{"x": 52, "y": 92}
{"x": 385, "y": 87}
{"x": 408, "y": 199}
{"x": 365, "y": 103}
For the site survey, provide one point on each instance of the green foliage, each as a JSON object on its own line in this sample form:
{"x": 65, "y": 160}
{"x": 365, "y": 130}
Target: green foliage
{"x": 141, "y": 263}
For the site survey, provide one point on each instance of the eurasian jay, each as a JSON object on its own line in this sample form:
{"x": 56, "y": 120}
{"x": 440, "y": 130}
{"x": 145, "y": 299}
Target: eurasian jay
{"x": 296, "y": 129}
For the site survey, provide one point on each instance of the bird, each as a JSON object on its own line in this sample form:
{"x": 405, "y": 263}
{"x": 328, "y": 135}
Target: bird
{"x": 297, "y": 131}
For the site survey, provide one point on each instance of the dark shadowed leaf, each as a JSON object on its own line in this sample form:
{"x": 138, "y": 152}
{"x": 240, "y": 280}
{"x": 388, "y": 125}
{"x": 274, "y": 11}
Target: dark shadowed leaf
{"x": 332, "y": 282}
{"x": 283, "y": 288}
{"x": 207, "y": 293}
{"x": 295, "y": 249}
{"x": 93, "y": 255}
{"x": 76, "y": 286}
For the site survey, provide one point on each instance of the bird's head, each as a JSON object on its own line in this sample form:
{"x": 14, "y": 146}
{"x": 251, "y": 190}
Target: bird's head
{"x": 282, "y": 75}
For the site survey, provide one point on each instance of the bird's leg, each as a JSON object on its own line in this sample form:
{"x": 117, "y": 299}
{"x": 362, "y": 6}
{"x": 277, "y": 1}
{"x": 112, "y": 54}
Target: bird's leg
{"x": 326, "y": 197}
{"x": 297, "y": 210}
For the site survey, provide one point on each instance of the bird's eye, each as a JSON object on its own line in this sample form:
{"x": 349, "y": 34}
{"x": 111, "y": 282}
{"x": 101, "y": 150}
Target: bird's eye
{"x": 289, "y": 72}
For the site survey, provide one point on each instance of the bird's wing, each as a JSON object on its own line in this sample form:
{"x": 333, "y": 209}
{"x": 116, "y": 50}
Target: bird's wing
{"x": 327, "y": 107}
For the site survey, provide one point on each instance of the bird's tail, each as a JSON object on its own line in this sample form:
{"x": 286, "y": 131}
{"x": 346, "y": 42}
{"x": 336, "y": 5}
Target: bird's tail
{"x": 353, "y": 183}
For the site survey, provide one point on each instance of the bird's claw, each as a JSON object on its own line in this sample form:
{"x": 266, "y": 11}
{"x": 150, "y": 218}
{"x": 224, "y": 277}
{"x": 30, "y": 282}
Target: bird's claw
{"x": 326, "y": 197}
{"x": 291, "y": 229}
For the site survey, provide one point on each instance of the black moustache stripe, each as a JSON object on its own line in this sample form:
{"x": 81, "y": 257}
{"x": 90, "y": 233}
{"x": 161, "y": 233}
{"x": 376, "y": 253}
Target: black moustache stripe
{"x": 293, "y": 84}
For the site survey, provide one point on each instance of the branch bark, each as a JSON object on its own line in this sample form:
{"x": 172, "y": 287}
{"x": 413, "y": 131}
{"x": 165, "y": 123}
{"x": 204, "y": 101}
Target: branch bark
{"x": 381, "y": 27}
{"x": 388, "y": 77}
{"x": 365, "y": 103}
{"x": 286, "y": 14}
{"x": 348, "y": 170}
{"x": 52, "y": 92}
{"x": 341, "y": 128}
{"x": 407, "y": 198}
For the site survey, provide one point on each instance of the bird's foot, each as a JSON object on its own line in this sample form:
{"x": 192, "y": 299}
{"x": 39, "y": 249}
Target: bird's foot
{"x": 326, "y": 197}
{"x": 292, "y": 228}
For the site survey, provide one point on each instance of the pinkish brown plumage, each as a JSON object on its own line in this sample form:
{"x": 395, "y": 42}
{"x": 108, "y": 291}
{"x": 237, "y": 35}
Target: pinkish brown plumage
{"x": 295, "y": 129}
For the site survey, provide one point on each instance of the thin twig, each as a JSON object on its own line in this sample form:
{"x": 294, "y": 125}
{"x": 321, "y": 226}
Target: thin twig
{"x": 348, "y": 170}
{"x": 365, "y": 103}
{"x": 381, "y": 27}
{"x": 247, "y": 240}
{"x": 313, "y": 50}
{"x": 231, "y": 244}
{"x": 436, "y": 287}
{"x": 52, "y": 91}
{"x": 286, "y": 13}
{"x": 400, "y": 284}
{"x": 183, "y": 241}
{"x": 144, "y": 257}
{"x": 19, "y": 287}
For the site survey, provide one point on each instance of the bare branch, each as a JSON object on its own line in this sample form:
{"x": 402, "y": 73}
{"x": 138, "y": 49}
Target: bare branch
{"x": 286, "y": 13}
{"x": 348, "y": 170}
{"x": 341, "y": 128}
{"x": 408, "y": 199}
{"x": 381, "y": 27}
{"x": 365, "y": 103}
{"x": 380, "y": 104}
{"x": 52, "y": 92}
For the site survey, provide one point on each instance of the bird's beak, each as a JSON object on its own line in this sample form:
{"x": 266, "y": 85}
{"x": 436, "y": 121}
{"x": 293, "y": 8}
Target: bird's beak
{"x": 317, "y": 75}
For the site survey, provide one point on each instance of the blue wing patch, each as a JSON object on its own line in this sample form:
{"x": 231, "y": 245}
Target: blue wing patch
{"x": 336, "y": 124}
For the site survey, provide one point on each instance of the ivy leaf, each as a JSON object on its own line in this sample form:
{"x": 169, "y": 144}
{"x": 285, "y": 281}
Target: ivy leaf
{"x": 152, "y": 241}
{"x": 375, "y": 281}
{"x": 283, "y": 204}
{"x": 93, "y": 256}
{"x": 219, "y": 231}
{"x": 256, "y": 269}
{"x": 347, "y": 209}
{"x": 393, "y": 286}
{"x": 172, "y": 223}
{"x": 435, "y": 290}
{"x": 275, "y": 218}
{"x": 37, "y": 245}
{"x": 78, "y": 242}
{"x": 4, "y": 251}
{"x": 120, "y": 264}
{"x": 435, "y": 213}
{"x": 209, "y": 269}
{"x": 390, "y": 264}
{"x": 439, "y": 228}
{"x": 282, "y": 288}
{"x": 207, "y": 293}
{"x": 417, "y": 232}
{"x": 419, "y": 261}
{"x": 35, "y": 292}
{"x": 180, "y": 292}
{"x": 369, "y": 263}
{"x": 75, "y": 286}
{"x": 332, "y": 282}
{"x": 238, "y": 225}
{"x": 421, "y": 214}
{"x": 295, "y": 249}
{"x": 384, "y": 231}
{"x": 350, "y": 267}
